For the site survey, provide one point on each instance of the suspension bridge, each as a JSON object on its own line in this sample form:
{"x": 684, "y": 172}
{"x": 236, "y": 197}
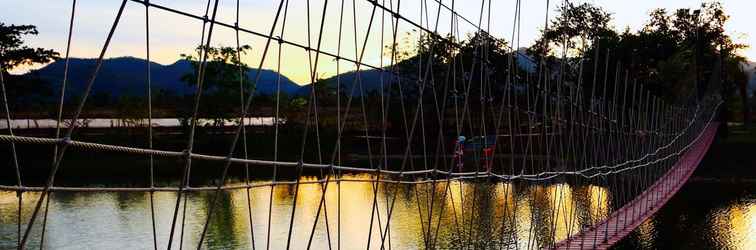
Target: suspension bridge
{"x": 453, "y": 125}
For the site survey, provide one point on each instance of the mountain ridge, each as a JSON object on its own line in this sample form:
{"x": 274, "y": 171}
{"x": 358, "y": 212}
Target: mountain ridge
{"x": 128, "y": 76}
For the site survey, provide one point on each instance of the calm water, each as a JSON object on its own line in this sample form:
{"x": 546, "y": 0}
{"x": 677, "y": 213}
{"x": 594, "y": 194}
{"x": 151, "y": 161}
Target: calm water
{"x": 703, "y": 215}
{"x": 122, "y": 220}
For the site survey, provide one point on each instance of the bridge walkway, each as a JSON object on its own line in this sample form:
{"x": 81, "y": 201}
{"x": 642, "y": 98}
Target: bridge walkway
{"x": 619, "y": 224}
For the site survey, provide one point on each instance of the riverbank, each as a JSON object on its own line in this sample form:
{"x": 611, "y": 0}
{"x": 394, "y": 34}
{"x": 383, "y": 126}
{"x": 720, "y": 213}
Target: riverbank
{"x": 731, "y": 158}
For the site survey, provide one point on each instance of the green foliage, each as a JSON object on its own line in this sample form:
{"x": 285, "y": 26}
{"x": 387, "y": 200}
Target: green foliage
{"x": 439, "y": 60}
{"x": 223, "y": 69}
{"x": 478, "y": 67}
{"x": 670, "y": 55}
{"x": 224, "y": 83}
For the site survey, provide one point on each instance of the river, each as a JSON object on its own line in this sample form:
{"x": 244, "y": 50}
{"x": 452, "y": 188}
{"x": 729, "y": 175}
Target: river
{"x": 709, "y": 212}
{"x": 704, "y": 215}
{"x": 122, "y": 220}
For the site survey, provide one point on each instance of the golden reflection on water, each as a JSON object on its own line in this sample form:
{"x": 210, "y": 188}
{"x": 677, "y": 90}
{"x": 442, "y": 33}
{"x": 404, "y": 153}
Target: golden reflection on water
{"x": 548, "y": 214}
{"x": 735, "y": 226}
{"x": 599, "y": 203}
{"x": 645, "y": 233}
{"x": 565, "y": 210}
{"x": 480, "y": 214}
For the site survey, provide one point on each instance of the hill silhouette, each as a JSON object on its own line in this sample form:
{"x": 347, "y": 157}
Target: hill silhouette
{"x": 371, "y": 80}
{"x": 128, "y": 76}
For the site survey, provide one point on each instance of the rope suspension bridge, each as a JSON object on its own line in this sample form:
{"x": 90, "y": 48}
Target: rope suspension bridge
{"x": 488, "y": 153}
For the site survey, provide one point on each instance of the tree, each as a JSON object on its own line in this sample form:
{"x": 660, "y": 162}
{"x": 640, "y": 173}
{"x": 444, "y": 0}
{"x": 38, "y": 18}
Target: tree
{"x": 127, "y": 114}
{"x": 24, "y": 91}
{"x": 225, "y": 81}
{"x": 573, "y": 29}
{"x": 676, "y": 52}
{"x": 455, "y": 72}
{"x": 702, "y": 33}
{"x": 14, "y": 53}
{"x": 736, "y": 78}
{"x": 575, "y": 33}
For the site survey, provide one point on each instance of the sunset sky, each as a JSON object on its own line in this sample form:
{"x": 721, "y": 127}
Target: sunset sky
{"x": 172, "y": 34}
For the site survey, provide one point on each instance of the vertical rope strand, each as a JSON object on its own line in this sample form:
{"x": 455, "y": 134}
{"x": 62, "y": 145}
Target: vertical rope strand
{"x": 69, "y": 133}
{"x": 239, "y": 128}
{"x": 19, "y": 194}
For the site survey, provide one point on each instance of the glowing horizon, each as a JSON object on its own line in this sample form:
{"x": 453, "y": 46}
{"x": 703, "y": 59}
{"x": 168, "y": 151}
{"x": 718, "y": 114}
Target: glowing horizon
{"x": 172, "y": 34}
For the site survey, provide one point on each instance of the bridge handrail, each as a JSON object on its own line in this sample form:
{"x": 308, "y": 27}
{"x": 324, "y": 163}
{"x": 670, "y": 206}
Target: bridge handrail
{"x": 454, "y": 176}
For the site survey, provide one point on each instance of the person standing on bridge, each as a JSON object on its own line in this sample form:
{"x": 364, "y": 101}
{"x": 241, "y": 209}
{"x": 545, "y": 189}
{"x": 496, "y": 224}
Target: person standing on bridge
{"x": 459, "y": 152}
{"x": 488, "y": 158}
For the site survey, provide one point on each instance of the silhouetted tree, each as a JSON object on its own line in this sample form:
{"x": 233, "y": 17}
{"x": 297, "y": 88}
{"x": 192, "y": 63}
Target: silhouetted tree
{"x": 223, "y": 73}
{"x": 14, "y": 53}
{"x": 674, "y": 54}
{"x": 25, "y": 92}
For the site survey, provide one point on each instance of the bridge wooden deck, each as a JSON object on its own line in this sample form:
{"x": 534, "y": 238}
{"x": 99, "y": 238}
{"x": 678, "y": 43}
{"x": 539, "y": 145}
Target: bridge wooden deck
{"x": 623, "y": 221}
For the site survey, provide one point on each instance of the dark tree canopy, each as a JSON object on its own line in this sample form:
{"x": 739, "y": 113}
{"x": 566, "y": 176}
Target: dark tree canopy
{"x": 224, "y": 82}
{"x": 573, "y": 28}
{"x": 14, "y": 53}
{"x": 670, "y": 55}
{"x": 24, "y": 92}
{"x": 676, "y": 55}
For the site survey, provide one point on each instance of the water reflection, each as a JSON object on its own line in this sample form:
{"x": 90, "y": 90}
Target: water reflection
{"x": 702, "y": 215}
{"x": 735, "y": 226}
{"x": 461, "y": 214}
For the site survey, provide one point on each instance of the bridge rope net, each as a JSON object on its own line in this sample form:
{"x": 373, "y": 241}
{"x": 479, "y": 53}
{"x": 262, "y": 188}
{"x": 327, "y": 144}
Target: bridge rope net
{"x": 557, "y": 128}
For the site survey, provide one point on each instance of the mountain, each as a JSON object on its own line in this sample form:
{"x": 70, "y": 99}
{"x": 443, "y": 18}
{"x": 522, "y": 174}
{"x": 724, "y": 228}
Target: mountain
{"x": 371, "y": 80}
{"x": 127, "y": 76}
{"x": 525, "y": 62}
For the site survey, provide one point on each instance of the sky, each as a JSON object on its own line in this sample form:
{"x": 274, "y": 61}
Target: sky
{"x": 172, "y": 34}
